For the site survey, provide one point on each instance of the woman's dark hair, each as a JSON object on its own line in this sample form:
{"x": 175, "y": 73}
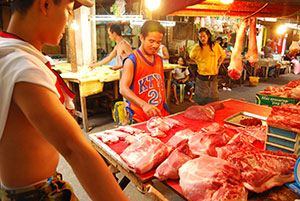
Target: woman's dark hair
{"x": 184, "y": 61}
{"x": 152, "y": 26}
{"x": 210, "y": 42}
{"x": 115, "y": 28}
{"x": 23, "y": 5}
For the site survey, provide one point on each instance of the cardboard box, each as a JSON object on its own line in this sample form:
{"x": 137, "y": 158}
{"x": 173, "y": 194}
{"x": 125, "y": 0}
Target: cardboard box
{"x": 274, "y": 100}
{"x": 279, "y": 139}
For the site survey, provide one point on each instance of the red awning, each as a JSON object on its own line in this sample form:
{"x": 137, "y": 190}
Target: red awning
{"x": 274, "y": 8}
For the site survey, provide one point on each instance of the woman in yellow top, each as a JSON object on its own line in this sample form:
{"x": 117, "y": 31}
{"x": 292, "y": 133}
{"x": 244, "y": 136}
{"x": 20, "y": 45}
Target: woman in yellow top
{"x": 209, "y": 56}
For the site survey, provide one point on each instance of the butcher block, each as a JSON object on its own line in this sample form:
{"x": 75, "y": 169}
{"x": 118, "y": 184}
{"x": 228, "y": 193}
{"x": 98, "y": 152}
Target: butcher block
{"x": 112, "y": 152}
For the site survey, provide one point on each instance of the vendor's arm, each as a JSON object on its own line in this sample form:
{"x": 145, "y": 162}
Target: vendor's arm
{"x": 49, "y": 117}
{"x": 107, "y": 59}
{"x": 195, "y": 52}
{"x": 125, "y": 83}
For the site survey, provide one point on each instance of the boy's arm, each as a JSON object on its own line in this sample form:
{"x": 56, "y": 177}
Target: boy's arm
{"x": 45, "y": 112}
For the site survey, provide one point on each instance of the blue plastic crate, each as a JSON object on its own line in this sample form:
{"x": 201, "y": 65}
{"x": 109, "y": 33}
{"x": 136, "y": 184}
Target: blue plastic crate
{"x": 282, "y": 132}
{"x": 294, "y": 187}
{"x": 283, "y": 142}
{"x": 275, "y": 149}
{"x": 284, "y": 139}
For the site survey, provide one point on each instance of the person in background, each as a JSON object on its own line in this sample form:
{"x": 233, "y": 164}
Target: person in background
{"x": 35, "y": 127}
{"x": 224, "y": 42}
{"x": 268, "y": 53}
{"x": 268, "y": 50}
{"x": 181, "y": 76}
{"x": 219, "y": 40}
{"x": 120, "y": 51}
{"x": 142, "y": 83}
{"x": 208, "y": 56}
{"x": 164, "y": 53}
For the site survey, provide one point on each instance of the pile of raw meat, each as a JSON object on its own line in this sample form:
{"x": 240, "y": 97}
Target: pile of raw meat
{"x": 208, "y": 163}
{"x": 290, "y": 90}
{"x": 286, "y": 116}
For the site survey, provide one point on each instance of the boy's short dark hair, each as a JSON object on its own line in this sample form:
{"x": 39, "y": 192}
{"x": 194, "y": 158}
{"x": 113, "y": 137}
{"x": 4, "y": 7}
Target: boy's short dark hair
{"x": 23, "y": 5}
{"x": 115, "y": 28}
{"x": 152, "y": 26}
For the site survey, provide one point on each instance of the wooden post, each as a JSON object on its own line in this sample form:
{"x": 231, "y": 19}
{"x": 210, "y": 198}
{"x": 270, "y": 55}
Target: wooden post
{"x": 71, "y": 46}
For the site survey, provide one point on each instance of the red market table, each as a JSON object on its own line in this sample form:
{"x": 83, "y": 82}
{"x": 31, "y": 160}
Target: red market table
{"x": 112, "y": 152}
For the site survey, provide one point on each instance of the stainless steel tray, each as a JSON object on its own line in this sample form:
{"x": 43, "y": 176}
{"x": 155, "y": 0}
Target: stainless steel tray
{"x": 236, "y": 118}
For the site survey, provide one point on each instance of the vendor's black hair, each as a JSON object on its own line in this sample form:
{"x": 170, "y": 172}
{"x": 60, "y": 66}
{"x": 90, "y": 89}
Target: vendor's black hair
{"x": 219, "y": 39}
{"x": 23, "y": 5}
{"x": 152, "y": 26}
{"x": 210, "y": 42}
{"x": 115, "y": 28}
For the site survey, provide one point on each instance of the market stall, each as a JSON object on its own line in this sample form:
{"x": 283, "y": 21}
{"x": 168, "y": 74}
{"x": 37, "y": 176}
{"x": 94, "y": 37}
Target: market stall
{"x": 113, "y": 152}
{"x": 278, "y": 95}
{"x": 86, "y": 82}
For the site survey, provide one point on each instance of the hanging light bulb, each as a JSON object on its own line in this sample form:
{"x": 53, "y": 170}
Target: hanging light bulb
{"x": 152, "y": 4}
{"x": 226, "y": 1}
{"x": 281, "y": 29}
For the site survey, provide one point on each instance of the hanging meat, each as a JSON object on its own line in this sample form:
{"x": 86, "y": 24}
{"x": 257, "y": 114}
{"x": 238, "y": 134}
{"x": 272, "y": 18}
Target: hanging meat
{"x": 235, "y": 68}
{"x": 252, "y": 54}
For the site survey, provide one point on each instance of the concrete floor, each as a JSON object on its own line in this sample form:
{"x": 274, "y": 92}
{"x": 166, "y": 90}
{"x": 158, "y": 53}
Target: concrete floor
{"x": 104, "y": 121}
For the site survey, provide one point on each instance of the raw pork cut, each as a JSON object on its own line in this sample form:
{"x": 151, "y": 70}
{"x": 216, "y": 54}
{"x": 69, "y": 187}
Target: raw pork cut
{"x": 119, "y": 134}
{"x": 260, "y": 169}
{"x": 169, "y": 168}
{"x": 253, "y": 132}
{"x": 252, "y": 54}
{"x": 214, "y": 127}
{"x": 202, "y": 113}
{"x": 206, "y": 142}
{"x": 211, "y": 179}
{"x": 130, "y": 130}
{"x": 180, "y": 137}
{"x": 145, "y": 154}
{"x": 218, "y": 105}
{"x": 107, "y": 139}
{"x": 160, "y": 126}
{"x": 286, "y": 116}
{"x": 130, "y": 139}
{"x": 236, "y": 66}
{"x": 289, "y": 90}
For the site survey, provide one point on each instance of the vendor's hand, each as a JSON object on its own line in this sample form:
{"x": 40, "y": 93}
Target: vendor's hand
{"x": 92, "y": 67}
{"x": 151, "y": 110}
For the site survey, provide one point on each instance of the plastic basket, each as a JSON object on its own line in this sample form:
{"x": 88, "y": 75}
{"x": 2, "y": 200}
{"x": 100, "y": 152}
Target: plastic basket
{"x": 253, "y": 81}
